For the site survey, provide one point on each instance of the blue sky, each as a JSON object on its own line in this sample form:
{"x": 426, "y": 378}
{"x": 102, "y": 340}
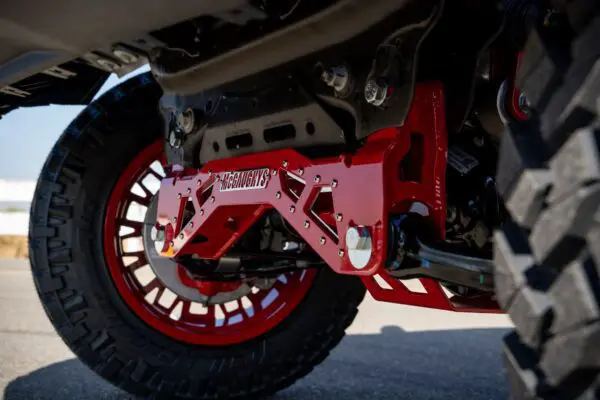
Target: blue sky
{"x": 28, "y": 134}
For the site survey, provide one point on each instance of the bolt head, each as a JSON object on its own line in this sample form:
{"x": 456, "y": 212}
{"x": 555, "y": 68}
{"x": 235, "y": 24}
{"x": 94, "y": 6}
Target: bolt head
{"x": 278, "y": 195}
{"x": 178, "y": 195}
{"x": 181, "y": 236}
{"x": 212, "y": 199}
{"x": 358, "y": 238}
{"x": 174, "y": 219}
{"x": 274, "y": 172}
{"x": 189, "y": 190}
{"x": 341, "y": 253}
{"x": 307, "y": 224}
{"x": 339, "y": 217}
{"x": 199, "y": 183}
{"x": 334, "y": 183}
{"x": 317, "y": 178}
{"x": 191, "y": 225}
{"x": 337, "y": 77}
{"x": 524, "y": 105}
{"x": 376, "y": 92}
{"x": 284, "y": 163}
{"x": 174, "y": 140}
{"x": 322, "y": 240}
{"x": 172, "y": 243}
{"x": 217, "y": 178}
{"x": 300, "y": 171}
{"x": 292, "y": 209}
{"x": 185, "y": 121}
{"x": 209, "y": 172}
{"x": 201, "y": 212}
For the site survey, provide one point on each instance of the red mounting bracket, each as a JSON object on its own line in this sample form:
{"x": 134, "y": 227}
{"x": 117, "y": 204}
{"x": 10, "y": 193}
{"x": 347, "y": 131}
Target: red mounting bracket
{"x": 321, "y": 199}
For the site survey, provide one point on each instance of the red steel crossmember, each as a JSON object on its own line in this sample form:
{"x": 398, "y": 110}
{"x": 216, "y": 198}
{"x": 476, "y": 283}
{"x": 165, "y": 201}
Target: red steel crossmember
{"x": 322, "y": 198}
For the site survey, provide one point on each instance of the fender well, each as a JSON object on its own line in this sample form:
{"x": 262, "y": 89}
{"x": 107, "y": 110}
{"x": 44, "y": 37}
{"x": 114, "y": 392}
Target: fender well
{"x": 74, "y": 82}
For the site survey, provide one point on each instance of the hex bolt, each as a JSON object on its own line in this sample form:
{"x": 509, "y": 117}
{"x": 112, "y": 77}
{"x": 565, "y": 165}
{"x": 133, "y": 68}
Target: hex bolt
{"x": 322, "y": 240}
{"x": 524, "y": 105}
{"x": 300, "y": 171}
{"x": 212, "y": 199}
{"x": 284, "y": 163}
{"x": 217, "y": 178}
{"x": 339, "y": 217}
{"x": 337, "y": 77}
{"x": 174, "y": 140}
{"x": 174, "y": 219}
{"x": 334, "y": 183}
{"x": 274, "y": 172}
{"x": 191, "y": 225}
{"x": 189, "y": 190}
{"x": 178, "y": 196}
{"x": 172, "y": 243}
{"x": 307, "y": 224}
{"x": 201, "y": 212}
{"x": 278, "y": 195}
{"x": 292, "y": 209}
{"x": 317, "y": 178}
{"x": 376, "y": 92}
{"x": 185, "y": 121}
{"x": 181, "y": 236}
{"x": 209, "y": 172}
{"x": 199, "y": 183}
{"x": 341, "y": 252}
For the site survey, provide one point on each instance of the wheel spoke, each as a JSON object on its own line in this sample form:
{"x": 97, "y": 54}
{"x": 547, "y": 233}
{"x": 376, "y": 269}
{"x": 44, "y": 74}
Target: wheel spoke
{"x": 137, "y": 227}
{"x": 137, "y": 264}
{"x": 147, "y": 191}
{"x": 155, "y": 174}
{"x": 209, "y": 326}
{"x": 155, "y": 283}
{"x": 173, "y": 305}
{"x": 144, "y": 201}
{"x": 140, "y": 254}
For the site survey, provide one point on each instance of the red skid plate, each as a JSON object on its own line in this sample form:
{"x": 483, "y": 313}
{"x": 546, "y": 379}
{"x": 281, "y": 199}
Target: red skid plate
{"x": 321, "y": 198}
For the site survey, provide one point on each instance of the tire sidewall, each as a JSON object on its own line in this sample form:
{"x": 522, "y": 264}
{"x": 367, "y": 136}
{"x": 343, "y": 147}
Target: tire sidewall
{"x": 100, "y": 156}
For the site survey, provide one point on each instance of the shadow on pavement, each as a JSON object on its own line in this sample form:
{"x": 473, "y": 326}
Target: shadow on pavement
{"x": 454, "y": 364}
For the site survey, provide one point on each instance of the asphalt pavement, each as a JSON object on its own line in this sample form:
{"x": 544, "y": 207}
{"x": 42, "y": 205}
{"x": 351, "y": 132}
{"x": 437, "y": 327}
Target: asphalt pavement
{"x": 391, "y": 352}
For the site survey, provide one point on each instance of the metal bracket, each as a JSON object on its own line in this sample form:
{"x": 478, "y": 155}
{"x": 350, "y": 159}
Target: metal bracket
{"x": 361, "y": 189}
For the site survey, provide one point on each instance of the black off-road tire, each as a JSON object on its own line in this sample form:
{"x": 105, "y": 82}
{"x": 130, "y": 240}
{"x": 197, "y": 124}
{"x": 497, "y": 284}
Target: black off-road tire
{"x": 548, "y": 256}
{"x": 76, "y": 290}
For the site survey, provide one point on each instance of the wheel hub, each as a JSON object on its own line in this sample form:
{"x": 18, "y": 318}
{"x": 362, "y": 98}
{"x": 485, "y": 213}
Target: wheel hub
{"x": 176, "y": 278}
{"x": 164, "y": 294}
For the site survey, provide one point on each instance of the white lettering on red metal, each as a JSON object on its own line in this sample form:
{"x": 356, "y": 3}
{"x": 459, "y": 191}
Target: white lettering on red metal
{"x": 245, "y": 180}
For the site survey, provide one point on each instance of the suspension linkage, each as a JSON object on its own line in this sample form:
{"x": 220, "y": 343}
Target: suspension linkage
{"x": 410, "y": 257}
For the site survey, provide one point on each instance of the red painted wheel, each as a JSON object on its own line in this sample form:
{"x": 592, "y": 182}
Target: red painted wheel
{"x": 122, "y": 309}
{"x": 244, "y": 318}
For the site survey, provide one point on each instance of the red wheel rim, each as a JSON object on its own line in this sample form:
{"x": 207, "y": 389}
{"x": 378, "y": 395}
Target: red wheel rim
{"x": 234, "y": 322}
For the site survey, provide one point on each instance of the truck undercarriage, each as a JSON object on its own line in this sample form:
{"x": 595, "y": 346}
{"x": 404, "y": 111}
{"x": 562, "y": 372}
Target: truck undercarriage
{"x": 283, "y": 149}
